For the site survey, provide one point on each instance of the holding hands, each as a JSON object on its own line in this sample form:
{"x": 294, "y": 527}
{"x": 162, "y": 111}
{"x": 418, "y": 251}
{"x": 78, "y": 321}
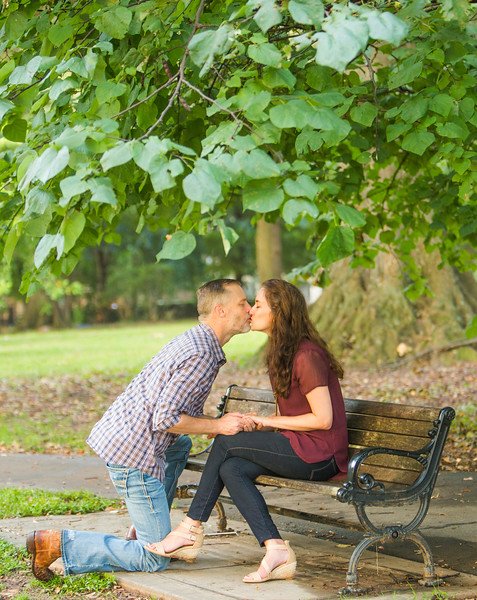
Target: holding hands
{"x": 233, "y": 423}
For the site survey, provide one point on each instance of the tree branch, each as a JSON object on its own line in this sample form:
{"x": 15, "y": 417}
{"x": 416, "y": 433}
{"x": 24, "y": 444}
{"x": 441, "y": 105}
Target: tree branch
{"x": 151, "y": 95}
{"x": 179, "y": 74}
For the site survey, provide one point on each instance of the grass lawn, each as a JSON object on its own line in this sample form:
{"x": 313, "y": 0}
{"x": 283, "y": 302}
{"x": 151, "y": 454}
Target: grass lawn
{"x": 14, "y": 562}
{"x": 109, "y": 349}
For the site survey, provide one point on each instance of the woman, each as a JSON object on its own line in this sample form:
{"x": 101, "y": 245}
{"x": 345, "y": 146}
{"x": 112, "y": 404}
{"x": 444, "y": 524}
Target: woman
{"x": 306, "y": 440}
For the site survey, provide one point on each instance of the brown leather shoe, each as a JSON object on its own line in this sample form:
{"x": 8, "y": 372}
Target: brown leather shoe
{"x": 131, "y": 534}
{"x": 45, "y": 547}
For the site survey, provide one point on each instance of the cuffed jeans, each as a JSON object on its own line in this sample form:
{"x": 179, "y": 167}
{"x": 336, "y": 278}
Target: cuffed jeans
{"x": 148, "y": 501}
{"x": 237, "y": 460}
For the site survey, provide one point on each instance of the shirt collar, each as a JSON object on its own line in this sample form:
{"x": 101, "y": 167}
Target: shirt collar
{"x": 216, "y": 347}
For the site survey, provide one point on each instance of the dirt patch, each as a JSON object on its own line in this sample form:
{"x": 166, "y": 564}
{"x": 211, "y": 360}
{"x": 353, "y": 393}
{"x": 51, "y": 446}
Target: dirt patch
{"x": 16, "y": 583}
{"x": 85, "y": 399}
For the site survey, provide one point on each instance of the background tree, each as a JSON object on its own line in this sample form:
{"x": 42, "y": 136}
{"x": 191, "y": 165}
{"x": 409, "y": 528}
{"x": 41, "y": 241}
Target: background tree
{"x": 358, "y": 117}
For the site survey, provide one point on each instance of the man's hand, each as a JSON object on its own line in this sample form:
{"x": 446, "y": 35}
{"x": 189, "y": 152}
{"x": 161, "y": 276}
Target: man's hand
{"x": 233, "y": 423}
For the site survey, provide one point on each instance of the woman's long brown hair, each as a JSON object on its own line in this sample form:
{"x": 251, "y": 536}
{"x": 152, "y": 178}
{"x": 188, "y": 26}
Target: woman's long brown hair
{"x": 291, "y": 324}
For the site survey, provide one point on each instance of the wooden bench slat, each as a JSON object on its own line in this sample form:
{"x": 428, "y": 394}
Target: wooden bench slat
{"x": 247, "y": 406}
{"x": 353, "y": 406}
{"x": 371, "y": 407}
{"x": 388, "y": 461}
{"x": 389, "y": 425}
{"x": 386, "y": 440}
{"x": 329, "y": 487}
{"x": 252, "y": 394}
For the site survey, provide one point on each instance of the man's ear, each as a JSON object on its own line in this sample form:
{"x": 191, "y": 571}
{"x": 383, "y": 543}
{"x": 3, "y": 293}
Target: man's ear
{"x": 219, "y": 310}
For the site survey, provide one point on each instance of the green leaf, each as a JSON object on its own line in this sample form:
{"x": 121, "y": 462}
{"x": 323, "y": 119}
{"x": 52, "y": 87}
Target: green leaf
{"x": 201, "y": 185}
{"x": 407, "y": 73}
{"x": 417, "y": 142}
{"x": 302, "y": 186}
{"x": 453, "y": 130}
{"x": 46, "y": 166}
{"x": 107, "y": 90}
{"x": 256, "y": 164}
{"x": 102, "y": 190}
{"x": 24, "y": 74}
{"x": 76, "y": 65}
{"x": 262, "y": 196}
{"x": 395, "y": 130}
{"x": 48, "y": 243}
{"x": 163, "y": 172}
{"x": 72, "y": 228}
{"x": 364, "y": 114}
{"x": 229, "y": 236}
{"x": 37, "y": 201}
{"x": 343, "y": 40}
{"x": 71, "y": 138}
{"x": 206, "y": 45}
{"x": 58, "y": 33}
{"x": 267, "y": 15}
{"x": 296, "y": 113}
{"x": 414, "y": 109}
{"x": 5, "y": 106}
{"x": 350, "y": 215}
{"x": 16, "y": 130}
{"x": 60, "y": 86}
{"x": 50, "y": 165}
{"x": 294, "y": 209}
{"x": 16, "y": 25}
{"x": 72, "y": 186}
{"x": 277, "y": 78}
{"x": 11, "y": 243}
{"x": 114, "y": 22}
{"x": 265, "y": 54}
{"x": 386, "y": 26}
{"x": 467, "y": 107}
{"x": 179, "y": 245}
{"x": 442, "y": 104}
{"x": 307, "y": 12}
{"x": 337, "y": 244}
{"x": 120, "y": 154}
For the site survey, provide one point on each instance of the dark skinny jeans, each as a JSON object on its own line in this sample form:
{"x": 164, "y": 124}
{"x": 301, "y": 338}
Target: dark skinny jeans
{"x": 235, "y": 462}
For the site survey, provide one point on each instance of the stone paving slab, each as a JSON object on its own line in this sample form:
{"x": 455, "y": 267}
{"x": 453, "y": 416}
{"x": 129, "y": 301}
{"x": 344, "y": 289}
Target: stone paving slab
{"x": 218, "y": 572}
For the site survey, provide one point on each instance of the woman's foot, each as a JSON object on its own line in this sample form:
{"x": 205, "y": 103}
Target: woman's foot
{"x": 184, "y": 542}
{"x": 278, "y": 563}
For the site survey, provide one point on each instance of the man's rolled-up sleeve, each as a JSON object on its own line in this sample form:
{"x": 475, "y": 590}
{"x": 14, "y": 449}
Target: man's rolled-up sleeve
{"x": 185, "y": 392}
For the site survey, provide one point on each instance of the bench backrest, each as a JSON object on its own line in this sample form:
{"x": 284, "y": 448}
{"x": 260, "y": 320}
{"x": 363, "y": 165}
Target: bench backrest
{"x": 370, "y": 424}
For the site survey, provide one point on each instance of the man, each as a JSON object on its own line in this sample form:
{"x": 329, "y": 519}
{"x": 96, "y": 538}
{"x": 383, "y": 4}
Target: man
{"x": 139, "y": 439}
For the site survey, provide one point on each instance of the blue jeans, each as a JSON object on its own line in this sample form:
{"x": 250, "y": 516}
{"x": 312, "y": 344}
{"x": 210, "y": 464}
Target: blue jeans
{"x": 237, "y": 460}
{"x": 148, "y": 501}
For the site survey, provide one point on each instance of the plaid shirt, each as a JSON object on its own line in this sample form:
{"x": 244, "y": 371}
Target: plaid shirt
{"x": 133, "y": 431}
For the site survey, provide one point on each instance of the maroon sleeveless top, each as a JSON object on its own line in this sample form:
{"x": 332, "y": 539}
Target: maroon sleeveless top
{"x": 311, "y": 369}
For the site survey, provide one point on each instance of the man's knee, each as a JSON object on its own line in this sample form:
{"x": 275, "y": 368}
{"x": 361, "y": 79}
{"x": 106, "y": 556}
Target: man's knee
{"x": 184, "y": 443}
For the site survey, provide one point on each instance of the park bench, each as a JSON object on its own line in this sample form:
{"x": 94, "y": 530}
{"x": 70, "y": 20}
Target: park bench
{"x": 395, "y": 454}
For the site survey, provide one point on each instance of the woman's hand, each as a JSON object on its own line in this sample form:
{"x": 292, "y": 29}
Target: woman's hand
{"x": 319, "y": 417}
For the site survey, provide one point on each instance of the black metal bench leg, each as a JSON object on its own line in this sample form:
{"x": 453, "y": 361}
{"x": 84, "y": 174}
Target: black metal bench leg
{"x": 189, "y": 490}
{"x": 352, "y": 588}
{"x": 430, "y": 578}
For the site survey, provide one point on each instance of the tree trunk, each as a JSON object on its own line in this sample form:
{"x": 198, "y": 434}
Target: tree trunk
{"x": 366, "y": 317}
{"x": 100, "y": 305}
{"x": 268, "y": 247}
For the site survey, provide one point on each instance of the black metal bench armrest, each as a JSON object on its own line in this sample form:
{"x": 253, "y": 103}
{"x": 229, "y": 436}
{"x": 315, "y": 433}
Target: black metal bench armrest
{"x": 365, "y": 490}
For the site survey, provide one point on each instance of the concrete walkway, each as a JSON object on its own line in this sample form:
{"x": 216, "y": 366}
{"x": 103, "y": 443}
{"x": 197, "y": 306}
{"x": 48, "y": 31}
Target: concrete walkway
{"x": 323, "y": 553}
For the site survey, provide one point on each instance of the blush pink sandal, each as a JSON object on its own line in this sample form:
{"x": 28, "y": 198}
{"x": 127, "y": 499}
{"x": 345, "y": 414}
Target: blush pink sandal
{"x": 187, "y": 552}
{"x": 284, "y": 571}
